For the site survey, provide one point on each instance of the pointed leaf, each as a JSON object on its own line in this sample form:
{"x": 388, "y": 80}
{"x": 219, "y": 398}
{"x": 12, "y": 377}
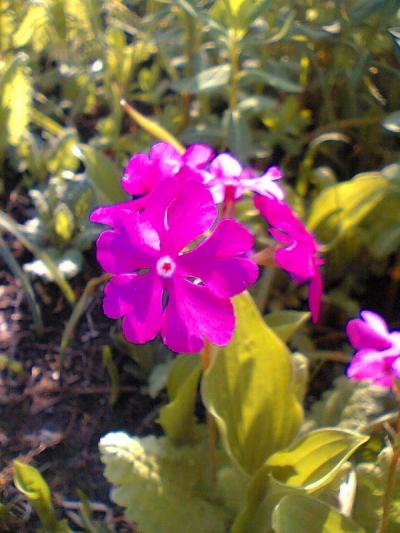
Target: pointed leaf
{"x": 249, "y": 390}
{"x": 30, "y": 482}
{"x": 312, "y": 461}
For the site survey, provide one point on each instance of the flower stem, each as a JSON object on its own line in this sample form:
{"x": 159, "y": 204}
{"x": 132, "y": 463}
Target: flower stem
{"x": 212, "y": 430}
{"x": 391, "y": 478}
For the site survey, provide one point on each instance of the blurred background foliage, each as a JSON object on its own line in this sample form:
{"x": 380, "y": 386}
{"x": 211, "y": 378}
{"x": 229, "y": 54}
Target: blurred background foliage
{"x": 311, "y": 86}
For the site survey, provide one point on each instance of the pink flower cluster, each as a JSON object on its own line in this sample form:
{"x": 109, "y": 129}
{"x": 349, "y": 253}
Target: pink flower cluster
{"x": 166, "y": 281}
{"x": 377, "y": 357}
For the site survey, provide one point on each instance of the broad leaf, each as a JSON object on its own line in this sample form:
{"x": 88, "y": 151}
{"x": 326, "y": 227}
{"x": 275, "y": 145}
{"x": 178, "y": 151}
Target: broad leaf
{"x": 313, "y": 461}
{"x": 207, "y": 81}
{"x": 163, "y": 488}
{"x": 297, "y": 514}
{"x": 249, "y": 390}
{"x": 305, "y": 467}
{"x": 341, "y": 207}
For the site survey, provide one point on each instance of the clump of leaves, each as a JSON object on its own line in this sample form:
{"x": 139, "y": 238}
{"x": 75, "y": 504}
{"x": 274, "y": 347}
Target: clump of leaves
{"x": 61, "y": 226}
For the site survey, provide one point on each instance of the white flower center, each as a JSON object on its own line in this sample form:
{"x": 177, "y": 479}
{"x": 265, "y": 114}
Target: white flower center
{"x": 166, "y": 266}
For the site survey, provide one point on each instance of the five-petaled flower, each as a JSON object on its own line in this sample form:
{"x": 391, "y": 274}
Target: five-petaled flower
{"x": 298, "y": 251}
{"x": 377, "y": 357}
{"x": 158, "y": 284}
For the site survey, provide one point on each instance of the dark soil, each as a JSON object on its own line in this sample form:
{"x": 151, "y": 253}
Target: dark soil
{"x": 55, "y": 424}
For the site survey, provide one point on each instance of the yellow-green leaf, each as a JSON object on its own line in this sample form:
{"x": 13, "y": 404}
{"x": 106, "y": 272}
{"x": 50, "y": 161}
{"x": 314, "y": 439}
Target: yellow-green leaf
{"x": 249, "y": 390}
{"x": 30, "y": 482}
{"x": 314, "y": 460}
{"x": 297, "y": 513}
{"x": 342, "y": 206}
{"x": 16, "y": 99}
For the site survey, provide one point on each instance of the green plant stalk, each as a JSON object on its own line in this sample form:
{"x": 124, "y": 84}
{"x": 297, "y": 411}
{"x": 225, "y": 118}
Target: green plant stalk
{"x": 113, "y": 373}
{"x": 211, "y": 426}
{"x": 76, "y": 314}
{"x": 234, "y": 57}
{"x": 391, "y": 478}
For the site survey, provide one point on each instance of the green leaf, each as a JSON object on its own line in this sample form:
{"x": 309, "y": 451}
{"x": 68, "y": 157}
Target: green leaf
{"x": 256, "y": 105}
{"x": 343, "y": 206}
{"x": 351, "y": 404}
{"x": 306, "y": 466}
{"x": 163, "y": 487}
{"x": 103, "y": 173}
{"x": 33, "y": 28}
{"x": 64, "y": 222}
{"x": 8, "y": 224}
{"x": 177, "y": 417}
{"x": 371, "y": 484}
{"x": 30, "y": 482}
{"x": 313, "y": 461}
{"x": 297, "y": 514}
{"x": 249, "y": 390}
{"x": 62, "y": 156}
{"x": 272, "y": 79}
{"x": 286, "y": 323}
{"x": 16, "y": 99}
{"x": 207, "y": 81}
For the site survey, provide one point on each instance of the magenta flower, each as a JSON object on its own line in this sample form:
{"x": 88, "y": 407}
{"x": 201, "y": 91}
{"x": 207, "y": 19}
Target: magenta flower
{"x": 377, "y": 357}
{"x": 143, "y": 172}
{"x": 298, "y": 251}
{"x": 161, "y": 286}
{"x": 228, "y": 181}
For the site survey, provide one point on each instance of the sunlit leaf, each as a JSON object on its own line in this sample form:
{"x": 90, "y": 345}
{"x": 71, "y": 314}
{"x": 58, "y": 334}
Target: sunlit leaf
{"x": 16, "y": 99}
{"x": 248, "y": 389}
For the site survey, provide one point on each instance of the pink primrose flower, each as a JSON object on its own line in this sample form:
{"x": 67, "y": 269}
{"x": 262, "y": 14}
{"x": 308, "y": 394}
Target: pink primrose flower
{"x": 144, "y": 172}
{"x": 298, "y": 252}
{"x": 377, "y": 357}
{"x": 161, "y": 286}
{"x": 228, "y": 181}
